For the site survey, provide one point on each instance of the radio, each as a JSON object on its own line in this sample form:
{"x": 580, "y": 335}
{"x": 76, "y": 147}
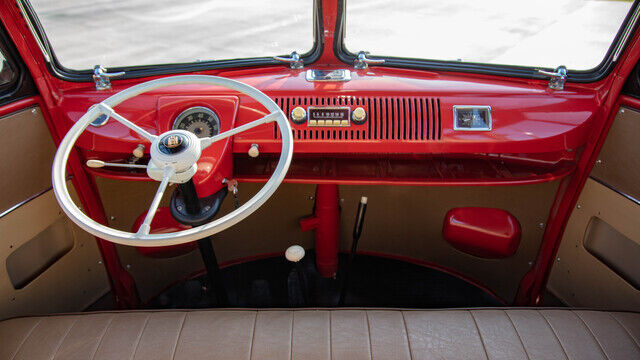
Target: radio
{"x": 328, "y": 116}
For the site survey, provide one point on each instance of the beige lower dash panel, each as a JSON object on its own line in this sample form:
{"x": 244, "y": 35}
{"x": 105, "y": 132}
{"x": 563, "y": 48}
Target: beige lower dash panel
{"x": 70, "y": 284}
{"x": 578, "y": 278}
{"x": 400, "y": 220}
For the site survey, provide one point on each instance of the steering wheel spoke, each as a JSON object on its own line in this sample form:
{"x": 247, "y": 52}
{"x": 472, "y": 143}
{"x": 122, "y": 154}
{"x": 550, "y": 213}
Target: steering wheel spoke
{"x": 206, "y": 142}
{"x": 145, "y": 228}
{"x": 107, "y": 110}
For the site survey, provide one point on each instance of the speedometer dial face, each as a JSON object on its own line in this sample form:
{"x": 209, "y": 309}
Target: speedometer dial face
{"x": 201, "y": 121}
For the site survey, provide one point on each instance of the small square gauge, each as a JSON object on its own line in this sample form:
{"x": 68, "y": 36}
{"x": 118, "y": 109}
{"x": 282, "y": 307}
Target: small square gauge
{"x": 471, "y": 118}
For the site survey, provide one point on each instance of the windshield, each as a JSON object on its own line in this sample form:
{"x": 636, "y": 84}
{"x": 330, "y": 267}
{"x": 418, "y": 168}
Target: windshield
{"x": 115, "y": 33}
{"x": 543, "y": 33}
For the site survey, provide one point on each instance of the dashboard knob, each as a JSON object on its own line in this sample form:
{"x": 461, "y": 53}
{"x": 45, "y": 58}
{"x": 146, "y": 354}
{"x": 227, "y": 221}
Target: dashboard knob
{"x": 138, "y": 151}
{"x": 254, "y": 151}
{"x": 359, "y": 115}
{"x": 298, "y": 115}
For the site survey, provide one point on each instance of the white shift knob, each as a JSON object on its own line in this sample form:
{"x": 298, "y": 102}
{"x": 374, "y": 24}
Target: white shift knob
{"x": 294, "y": 253}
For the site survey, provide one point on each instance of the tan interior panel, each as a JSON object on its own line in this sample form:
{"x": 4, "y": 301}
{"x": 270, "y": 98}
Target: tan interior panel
{"x": 578, "y": 278}
{"x": 618, "y": 164}
{"x": 77, "y": 279}
{"x": 614, "y": 249}
{"x": 405, "y": 221}
{"x": 27, "y": 154}
{"x": 268, "y": 230}
{"x": 39, "y": 253}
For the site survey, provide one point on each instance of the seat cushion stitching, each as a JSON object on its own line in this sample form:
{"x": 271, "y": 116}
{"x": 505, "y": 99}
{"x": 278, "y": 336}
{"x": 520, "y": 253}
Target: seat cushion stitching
{"x": 591, "y": 332}
{"x": 406, "y": 331}
{"x": 26, "y": 337}
{"x": 366, "y": 313}
{"x": 554, "y": 334}
{"x": 102, "y": 337}
{"x": 479, "y": 334}
{"x": 144, "y": 327}
{"x": 526, "y": 353}
{"x": 175, "y": 346}
{"x": 253, "y": 335}
{"x": 64, "y": 337}
{"x": 625, "y": 329}
{"x": 293, "y": 317}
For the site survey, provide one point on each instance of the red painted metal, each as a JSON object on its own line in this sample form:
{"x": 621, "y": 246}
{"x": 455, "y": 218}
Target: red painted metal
{"x": 533, "y": 284}
{"x": 163, "y": 222}
{"x": 529, "y": 119}
{"x": 432, "y": 170}
{"x": 483, "y": 232}
{"x": 326, "y": 223}
{"x": 19, "y": 105}
{"x": 329, "y": 20}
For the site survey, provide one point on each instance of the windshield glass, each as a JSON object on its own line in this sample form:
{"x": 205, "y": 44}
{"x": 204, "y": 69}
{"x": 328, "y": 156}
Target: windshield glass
{"x": 115, "y": 33}
{"x": 543, "y": 33}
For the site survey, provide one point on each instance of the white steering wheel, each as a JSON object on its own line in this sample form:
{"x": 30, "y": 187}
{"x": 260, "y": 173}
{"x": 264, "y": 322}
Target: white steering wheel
{"x": 173, "y": 160}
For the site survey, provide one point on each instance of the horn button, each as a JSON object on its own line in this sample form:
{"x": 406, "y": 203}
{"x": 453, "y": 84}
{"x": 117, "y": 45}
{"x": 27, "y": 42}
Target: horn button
{"x": 172, "y": 143}
{"x": 178, "y": 149}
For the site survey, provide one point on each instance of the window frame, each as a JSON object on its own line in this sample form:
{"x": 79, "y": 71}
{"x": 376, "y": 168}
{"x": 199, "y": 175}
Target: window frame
{"x": 138, "y": 71}
{"x": 621, "y": 40}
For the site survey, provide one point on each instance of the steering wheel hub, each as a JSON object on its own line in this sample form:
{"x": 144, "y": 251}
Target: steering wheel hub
{"x": 179, "y": 149}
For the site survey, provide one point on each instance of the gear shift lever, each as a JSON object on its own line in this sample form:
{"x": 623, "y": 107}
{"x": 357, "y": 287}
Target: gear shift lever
{"x": 357, "y": 231}
{"x": 295, "y": 281}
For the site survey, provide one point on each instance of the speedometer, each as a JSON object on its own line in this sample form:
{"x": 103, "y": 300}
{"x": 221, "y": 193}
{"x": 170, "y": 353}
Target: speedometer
{"x": 201, "y": 121}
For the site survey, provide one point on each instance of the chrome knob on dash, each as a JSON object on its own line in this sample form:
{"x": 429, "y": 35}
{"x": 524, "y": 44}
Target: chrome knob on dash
{"x": 298, "y": 115}
{"x": 138, "y": 151}
{"x": 254, "y": 151}
{"x": 359, "y": 115}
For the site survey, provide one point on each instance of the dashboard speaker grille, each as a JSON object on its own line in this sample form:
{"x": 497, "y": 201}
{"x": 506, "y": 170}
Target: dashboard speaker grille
{"x": 389, "y": 118}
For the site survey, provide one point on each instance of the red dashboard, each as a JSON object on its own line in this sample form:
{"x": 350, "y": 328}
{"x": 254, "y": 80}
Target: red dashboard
{"x": 408, "y": 136}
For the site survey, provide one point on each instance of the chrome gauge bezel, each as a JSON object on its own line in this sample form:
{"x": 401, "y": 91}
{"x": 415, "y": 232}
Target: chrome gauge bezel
{"x": 196, "y": 109}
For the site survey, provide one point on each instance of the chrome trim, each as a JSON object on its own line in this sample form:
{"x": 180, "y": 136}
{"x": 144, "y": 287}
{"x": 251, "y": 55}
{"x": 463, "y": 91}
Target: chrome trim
{"x": 25, "y": 201}
{"x": 45, "y": 52}
{"x": 102, "y": 78}
{"x": 328, "y": 75}
{"x": 362, "y": 62}
{"x": 557, "y": 78}
{"x": 294, "y": 60}
{"x": 626, "y": 34}
{"x": 462, "y": 107}
{"x": 627, "y": 196}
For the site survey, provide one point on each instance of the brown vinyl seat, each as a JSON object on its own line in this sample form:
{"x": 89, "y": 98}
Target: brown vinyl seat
{"x": 325, "y": 334}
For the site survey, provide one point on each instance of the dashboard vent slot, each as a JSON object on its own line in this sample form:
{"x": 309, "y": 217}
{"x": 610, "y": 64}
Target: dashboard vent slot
{"x": 389, "y": 118}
